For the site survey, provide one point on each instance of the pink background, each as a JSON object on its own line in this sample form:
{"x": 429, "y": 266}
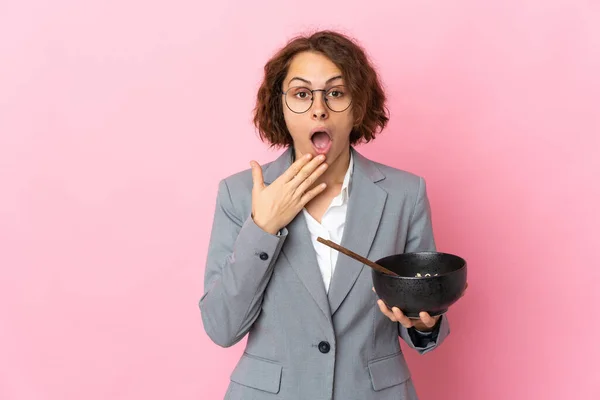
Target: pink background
{"x": 118, "y": 118}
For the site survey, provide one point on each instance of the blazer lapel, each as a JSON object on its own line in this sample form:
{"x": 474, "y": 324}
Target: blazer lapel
{"x": 298, "y": 249}
{"x": 301, "y": 255}
{"x": 365, "y": 207}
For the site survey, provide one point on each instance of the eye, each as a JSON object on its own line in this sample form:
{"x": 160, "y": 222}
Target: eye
{"x": 301, "y": 93}
{"x": 336, "y": 93}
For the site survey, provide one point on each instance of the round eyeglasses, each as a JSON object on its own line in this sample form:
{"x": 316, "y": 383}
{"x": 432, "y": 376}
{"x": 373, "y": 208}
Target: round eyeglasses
{"x": 299, "y": 99}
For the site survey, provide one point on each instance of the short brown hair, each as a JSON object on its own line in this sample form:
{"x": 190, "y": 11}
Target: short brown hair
{"x": 368, "y": 97}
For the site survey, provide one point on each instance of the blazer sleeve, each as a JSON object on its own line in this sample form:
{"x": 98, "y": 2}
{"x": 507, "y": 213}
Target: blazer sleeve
{"x": 420, "y": 238}
{"x": 239, "y": 265}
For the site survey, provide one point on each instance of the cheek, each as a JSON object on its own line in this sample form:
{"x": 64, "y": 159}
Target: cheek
{"x": 345, "y": 122}
{"x": 351, "y": 116}
{"x": 293, "y": 122}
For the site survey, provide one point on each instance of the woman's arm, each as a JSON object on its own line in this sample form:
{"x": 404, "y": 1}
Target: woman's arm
{"x": 239, "y": 265}
{"x": 420, "y": 238}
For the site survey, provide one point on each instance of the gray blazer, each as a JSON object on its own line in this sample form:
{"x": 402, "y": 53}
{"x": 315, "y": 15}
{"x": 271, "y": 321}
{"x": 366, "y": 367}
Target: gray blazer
{"x": 303, "y": 343}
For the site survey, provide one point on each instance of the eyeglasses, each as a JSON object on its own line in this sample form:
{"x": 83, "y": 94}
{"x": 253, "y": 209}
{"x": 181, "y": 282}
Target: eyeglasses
{"x": 300, "y": 99}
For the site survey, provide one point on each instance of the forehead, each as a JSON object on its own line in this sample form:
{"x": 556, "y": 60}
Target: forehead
{"x": 314, "y": 67}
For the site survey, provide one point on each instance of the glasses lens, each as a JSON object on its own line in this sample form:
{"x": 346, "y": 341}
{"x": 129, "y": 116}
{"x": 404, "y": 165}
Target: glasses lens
{"x": 338, "y": 99}
{"x": 298, "y": 99}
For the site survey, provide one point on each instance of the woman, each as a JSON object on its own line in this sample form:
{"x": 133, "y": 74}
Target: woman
{"x": 316, "y": 329}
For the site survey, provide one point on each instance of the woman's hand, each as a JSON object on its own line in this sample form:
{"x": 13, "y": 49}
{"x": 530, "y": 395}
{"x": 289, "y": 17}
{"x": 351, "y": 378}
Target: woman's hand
{"x": 274, "y": 206}
{"x": 424, "y": 323}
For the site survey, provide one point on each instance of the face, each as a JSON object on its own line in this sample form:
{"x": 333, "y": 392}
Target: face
{"x": 318, "y": 130}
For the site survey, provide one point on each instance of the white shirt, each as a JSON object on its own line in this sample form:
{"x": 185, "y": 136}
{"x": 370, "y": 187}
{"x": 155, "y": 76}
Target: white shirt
{"x": 330, "y": 228}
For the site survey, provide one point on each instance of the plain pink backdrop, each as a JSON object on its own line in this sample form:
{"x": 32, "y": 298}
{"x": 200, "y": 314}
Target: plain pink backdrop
{"x": 118, "y": 118}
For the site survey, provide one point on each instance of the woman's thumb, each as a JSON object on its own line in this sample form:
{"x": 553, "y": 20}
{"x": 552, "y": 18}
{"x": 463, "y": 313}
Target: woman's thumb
{"x": 257, "y": 176}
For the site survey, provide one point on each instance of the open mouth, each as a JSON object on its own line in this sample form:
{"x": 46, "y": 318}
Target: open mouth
{"x": 321, "y": 141}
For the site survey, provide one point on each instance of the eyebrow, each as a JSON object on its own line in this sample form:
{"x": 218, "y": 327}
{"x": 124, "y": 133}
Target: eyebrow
{"x": 309, "y": 82}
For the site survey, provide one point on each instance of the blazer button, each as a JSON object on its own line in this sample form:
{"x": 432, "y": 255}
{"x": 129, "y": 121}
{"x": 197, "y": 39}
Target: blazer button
{"x": 324, "y": 347}
{"x": 263, "y": 256}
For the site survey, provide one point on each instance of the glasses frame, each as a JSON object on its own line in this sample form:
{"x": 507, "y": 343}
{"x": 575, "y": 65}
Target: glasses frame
{"x": 312, "y": 100}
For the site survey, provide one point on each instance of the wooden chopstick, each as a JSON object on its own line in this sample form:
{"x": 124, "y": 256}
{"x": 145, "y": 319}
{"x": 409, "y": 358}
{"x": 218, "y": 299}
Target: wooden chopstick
{"x": 355, "y": 256}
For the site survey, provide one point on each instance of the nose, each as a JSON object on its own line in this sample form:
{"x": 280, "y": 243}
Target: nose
{"x": 319, "y": 108}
